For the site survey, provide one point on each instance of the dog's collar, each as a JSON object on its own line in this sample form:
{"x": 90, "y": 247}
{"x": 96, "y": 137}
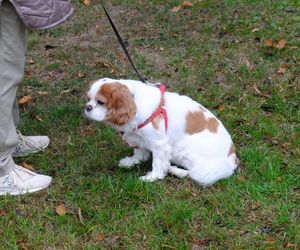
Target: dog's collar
{"x": 159, "y": 111}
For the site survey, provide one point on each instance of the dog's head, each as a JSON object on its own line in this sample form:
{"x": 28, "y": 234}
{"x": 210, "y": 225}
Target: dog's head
{"x": 110, "y": 101}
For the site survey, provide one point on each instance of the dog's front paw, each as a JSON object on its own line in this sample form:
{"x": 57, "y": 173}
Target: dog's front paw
{"x": 152, "y": 176}
{"x": 128, "y": 162}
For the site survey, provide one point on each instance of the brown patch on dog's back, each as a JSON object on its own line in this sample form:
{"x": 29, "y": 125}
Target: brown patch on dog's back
{"x": 212, "y": 125}
{"x": 195, "y": 122}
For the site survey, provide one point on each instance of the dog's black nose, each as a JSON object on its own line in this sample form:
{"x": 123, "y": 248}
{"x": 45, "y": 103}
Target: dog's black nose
{"x": 88, "y": 108}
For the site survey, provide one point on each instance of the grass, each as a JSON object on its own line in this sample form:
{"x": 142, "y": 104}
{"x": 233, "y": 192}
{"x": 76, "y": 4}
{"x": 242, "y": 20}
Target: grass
{"x": 213, "y": 52}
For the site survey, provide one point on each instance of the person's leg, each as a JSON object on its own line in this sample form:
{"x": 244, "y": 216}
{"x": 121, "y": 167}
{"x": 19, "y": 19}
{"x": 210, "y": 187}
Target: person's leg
{"x": 15, "y": 113}
{"x": 14, "y": 179}
{"x": 12, "y": 60}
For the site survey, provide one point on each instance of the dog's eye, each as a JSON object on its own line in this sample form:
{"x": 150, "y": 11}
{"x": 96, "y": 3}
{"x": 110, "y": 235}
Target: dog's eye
{"x": 100, "y": 102}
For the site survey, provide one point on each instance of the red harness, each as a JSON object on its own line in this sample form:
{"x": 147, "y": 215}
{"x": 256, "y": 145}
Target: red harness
{"x": 159, "y": 111}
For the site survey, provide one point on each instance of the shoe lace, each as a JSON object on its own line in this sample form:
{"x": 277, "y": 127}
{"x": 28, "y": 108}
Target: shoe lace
{"x": 26, "y": 141}
{"x": 7, "y": 181}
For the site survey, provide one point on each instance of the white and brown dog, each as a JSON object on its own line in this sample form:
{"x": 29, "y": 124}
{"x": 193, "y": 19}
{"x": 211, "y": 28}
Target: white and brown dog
{"x": 174, "y": 128}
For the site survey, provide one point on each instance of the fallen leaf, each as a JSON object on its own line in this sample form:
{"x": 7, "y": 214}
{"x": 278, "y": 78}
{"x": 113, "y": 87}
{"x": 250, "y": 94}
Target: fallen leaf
{"x": 176, "y": 9}
{"x": 27, "y": 166}
{"x": 87, "y": 2}
{"x": 106, "y": 64}
{"x": 100, "y": 237}
{"x": 186, "y": 4}
{"x": 120, "y": 56}
{"x": 282, "y": 69}
{"x": 61, "y": 209}
{"x": 281, "y": 44}
{"x": 268, "y": 42}
{"x": 30, "y": 61}
{"x": 251, "y": 217}
{"x": 255, "y": 206}
{"x": 25, "y": 100}
{"x": 22, "y": 245}
{"x": 80, "y": 74}
{"x": 242, "y": 179}
{"x": 285, "y": 145}
{"x": 2, "y": 213}
{"x": 220, "y": 107}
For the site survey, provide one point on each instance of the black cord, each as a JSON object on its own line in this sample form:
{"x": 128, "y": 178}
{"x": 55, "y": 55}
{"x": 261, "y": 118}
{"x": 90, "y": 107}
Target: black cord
{"x": 122, "y": 43}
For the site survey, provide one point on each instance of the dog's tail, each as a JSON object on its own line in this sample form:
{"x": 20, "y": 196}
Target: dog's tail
{"x": 207, "y": 173}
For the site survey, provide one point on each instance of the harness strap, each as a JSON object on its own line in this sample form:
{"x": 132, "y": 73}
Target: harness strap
{"x": 159, "y": 111}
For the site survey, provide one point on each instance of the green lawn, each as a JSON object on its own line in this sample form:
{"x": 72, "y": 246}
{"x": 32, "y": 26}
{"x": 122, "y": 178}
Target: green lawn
{"x": 217, "y": 52}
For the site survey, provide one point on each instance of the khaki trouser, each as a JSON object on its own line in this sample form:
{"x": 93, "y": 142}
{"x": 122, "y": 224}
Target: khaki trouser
{"x": 12, "y": 60}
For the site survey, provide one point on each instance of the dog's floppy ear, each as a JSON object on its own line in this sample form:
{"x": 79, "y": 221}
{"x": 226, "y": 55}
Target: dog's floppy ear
{"x": 121, "y": 106}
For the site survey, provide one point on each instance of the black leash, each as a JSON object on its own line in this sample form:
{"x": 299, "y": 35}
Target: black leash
{"x": 122, "y": 43}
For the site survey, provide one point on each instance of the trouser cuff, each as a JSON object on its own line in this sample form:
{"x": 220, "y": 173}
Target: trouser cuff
{"x": 6, "y": 165}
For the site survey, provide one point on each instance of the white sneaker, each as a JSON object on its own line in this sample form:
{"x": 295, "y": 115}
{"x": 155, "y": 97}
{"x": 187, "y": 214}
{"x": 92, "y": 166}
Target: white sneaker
{"x": 21, "y": 180}
{"x": 30, "y": 145}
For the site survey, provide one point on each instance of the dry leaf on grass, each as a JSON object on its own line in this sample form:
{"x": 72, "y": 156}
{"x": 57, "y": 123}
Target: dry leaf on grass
{"x": 25, "y": 100}
{"x": 22, "y": 245}
{"x": 106, "y": 64}
{"x": 100, "y": 237}
{"x": 186, "y": 4}
{"x": 242, "y": 179}
{"x": 176, "y": 9}
{"x": 268, "y": 42}
{"x": 2, "y": 213}
{"x": 61, "y": 209}
{"x": 282, "y": 69}
{"x": 86, "y": 2}
{"x": 80, "y": 74}
{"x": 30, "y": 61}
{"x": 281, "y": 44}
{"x": 27, "y": 166}
{"x": 220, "y": 107}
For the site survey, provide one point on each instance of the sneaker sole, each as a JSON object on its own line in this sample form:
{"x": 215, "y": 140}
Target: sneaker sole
{"x": 23, "y": 191}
